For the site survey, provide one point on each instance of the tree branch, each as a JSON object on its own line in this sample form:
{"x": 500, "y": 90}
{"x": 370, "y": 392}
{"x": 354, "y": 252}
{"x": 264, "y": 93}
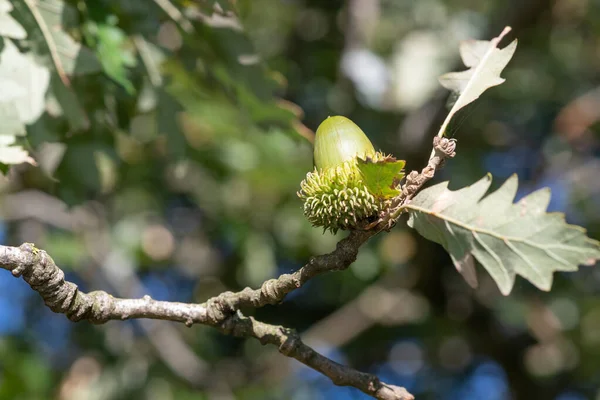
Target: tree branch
{"x": 39, "y": 270}
{"x": 290, "y": 344}
{"x": 443, "y": 148}
{"x": 223, "y": 311}
{"x": 274, "y": 291}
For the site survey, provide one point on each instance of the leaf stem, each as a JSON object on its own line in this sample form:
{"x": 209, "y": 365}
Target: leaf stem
{"x": 49, "y": 40}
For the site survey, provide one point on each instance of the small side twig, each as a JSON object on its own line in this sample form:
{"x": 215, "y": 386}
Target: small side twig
{"x": 443, "y": 148}
{"x": 289, "y": 344}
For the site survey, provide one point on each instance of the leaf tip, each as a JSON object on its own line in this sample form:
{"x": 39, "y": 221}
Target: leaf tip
{"x": 505, "y": 290}
{"x": 505, "y": 31}
{"x": 590, "y": 262}
{"x": 466, "y": 267}
{"x": 514, "y": 176}
{"x": 506, "y": 286}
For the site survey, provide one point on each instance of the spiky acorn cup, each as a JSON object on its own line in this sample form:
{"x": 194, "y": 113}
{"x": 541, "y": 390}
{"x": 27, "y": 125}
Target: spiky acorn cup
{"x": 334, "y": 194}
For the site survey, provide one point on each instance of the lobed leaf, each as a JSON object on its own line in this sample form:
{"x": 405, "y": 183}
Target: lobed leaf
{"x": 382, "y": 177}
{"x": 485, "y": 62}
{"x": 506, "y": 239}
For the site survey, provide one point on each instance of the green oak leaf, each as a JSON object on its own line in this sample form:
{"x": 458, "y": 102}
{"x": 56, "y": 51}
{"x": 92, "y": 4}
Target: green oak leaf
{"x": 382, "y": 177}
{"x": 116, "y": 56}
{"x": 506, "y": 238}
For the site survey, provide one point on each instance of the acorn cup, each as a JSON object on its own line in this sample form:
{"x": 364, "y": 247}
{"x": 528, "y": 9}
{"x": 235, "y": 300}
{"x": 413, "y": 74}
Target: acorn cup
{"x": 334, "y": 194}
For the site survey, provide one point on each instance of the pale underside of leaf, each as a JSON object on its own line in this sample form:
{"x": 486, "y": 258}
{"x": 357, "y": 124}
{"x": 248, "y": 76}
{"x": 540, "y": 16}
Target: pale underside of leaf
{"x": 45, "y": 21}
{"x": 9, "y": 27}
{"x": 11, "y": 153}
{"x": 11, "y": 123}
{"x": 485, "y": 62}
{"x": 67, "y": 56}
{"x": 506, "y": 239}
{"x": 23, "y": 84}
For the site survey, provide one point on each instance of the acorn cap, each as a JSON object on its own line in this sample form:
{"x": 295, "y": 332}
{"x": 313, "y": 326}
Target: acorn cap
{"x": 339, "y": 140}
{"x": 336, "y": 198}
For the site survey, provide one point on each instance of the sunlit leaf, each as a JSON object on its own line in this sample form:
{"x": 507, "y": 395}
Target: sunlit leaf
{"x": 506, "y": 239}
{"x": 12, "y": 154}
{"x": 115, "y": 54}
{"x": 11, "y": 123}
{"x": 382, "y": 176}
{"x": 485, "y": 62}
{"x": 43, "y": 19}
{"x": 22, "y": 82}
{"x": 9, "y": 27}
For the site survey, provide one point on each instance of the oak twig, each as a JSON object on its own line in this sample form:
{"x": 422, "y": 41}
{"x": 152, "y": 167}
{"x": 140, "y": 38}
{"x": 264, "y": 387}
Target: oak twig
{"x": 443, "y": 148}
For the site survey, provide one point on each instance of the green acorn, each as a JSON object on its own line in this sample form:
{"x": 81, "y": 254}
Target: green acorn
{"x": 334, "y": 194}
{"x": 339, "y": 140}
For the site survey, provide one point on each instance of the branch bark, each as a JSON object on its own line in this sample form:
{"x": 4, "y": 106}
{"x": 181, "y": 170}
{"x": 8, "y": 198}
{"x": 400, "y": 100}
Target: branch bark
{"x": 222, "y": 312}
{"x": 274, "y": 291}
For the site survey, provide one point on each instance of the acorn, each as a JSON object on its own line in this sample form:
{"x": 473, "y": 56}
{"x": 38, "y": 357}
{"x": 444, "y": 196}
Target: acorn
{"x": 334, "y": 194}
{"x": 339, "y": 140}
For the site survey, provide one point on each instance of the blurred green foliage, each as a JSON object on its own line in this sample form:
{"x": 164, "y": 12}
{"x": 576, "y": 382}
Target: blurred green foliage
{"x": 170, "y": 146}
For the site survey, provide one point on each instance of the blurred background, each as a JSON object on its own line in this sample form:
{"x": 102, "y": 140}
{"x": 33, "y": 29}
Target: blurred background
{"x": 171, "y": 169}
